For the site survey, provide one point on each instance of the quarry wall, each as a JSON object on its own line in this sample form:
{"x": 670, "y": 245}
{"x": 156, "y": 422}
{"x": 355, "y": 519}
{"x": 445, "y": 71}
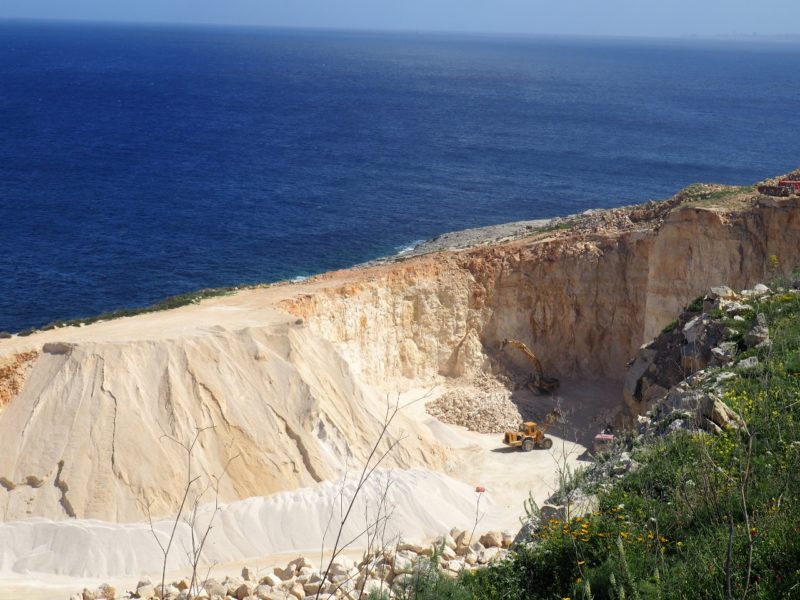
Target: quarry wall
{"x": 583, "y": 303}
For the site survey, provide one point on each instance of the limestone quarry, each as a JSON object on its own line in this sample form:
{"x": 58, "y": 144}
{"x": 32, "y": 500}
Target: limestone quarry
{"x": 292, "y": 381}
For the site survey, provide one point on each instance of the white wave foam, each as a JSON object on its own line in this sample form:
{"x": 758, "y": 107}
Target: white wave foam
{"x": 402, "y": 250}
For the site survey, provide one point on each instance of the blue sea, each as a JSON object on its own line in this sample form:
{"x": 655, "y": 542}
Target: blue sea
{"x": 138, "y": 162}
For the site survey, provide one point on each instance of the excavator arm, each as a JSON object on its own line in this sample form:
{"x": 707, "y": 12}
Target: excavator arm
{"x": 542, "y": 383}
{"x": 537, "y": 366}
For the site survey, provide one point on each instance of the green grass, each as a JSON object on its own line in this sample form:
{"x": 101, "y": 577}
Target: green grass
{"x": 670, "y": 326}
{"x": 699, "y": 195}
{"x": 562, "y": 226}
{"x": 696, "y": 305}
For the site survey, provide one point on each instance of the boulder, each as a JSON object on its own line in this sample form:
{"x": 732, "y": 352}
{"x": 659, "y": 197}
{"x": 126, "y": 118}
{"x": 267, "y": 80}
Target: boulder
{"x": 457, "y": 533}
{"x": 247, "y": 573}
{"x": 146, "y": 591}
{"x": 735, "y": 308}
{"x": 215, "y": 588}
{"x": 265, "y": 592}
{"x": 462, "y": 539}
{"x": 312, "y": 587}
{"x": 373, "y": 585}
{"x": 694, "y": 329}
{"x": 681, "y": 398}
{"x": 415, "y": 547}
{"x": 284, "y": 573}
{"x": 338, "y": 569}
{"x": 300, "y": 562}
{"x": 723, "y": 354}
{"x": 508, "y": 538}
{"x": 297, "y": 591}
{"x": 304, "y": 573}
{"x": 652, "y": 392}
{"x": 552, "y": 511}
{"x": 346, "y": 589}
{"x": 244, "y": 591}
{"x": 454, "y": 566}
{"x": 492, "y": 539}
{"x": 271, "y": 579}
{"x": 758, "y": 336}
{"x": 526, "y": 533}
{"x": 169, "y": 591}
{"x": 677, "y": 425}
{"x": 488, "y": 555}
{"x": 722, "y": 291}
{"x": 636, "y": 370}
{"x": 709, "y": 426}
{"x": 749, "y": 363}
{"x": 402, "y": 583}
{"x": 105, "y": 592}
{"x": 477, "y": 547}
{"x": 693, "y": 357}
{"x": 231, "y": 584}
{"x": 87, "y": 594}
{"x": 719, "y": 413}
{"x": 757, "y": 291}
{"x": 403, "y": 563}
{"x": 342, "y": 578}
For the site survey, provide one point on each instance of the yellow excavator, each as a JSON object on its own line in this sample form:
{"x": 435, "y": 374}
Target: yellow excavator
{"x": 537, "y": 382}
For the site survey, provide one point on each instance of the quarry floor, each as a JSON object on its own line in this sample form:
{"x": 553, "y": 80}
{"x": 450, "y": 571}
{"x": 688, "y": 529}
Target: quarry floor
{"x": 478, "y": 460}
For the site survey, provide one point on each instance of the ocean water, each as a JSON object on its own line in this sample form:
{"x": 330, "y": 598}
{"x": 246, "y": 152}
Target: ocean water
{"x": 138, "y": 162}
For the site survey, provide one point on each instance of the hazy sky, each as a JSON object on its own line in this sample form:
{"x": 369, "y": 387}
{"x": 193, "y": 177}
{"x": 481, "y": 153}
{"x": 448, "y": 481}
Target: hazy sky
{"x": 599, "y": 17}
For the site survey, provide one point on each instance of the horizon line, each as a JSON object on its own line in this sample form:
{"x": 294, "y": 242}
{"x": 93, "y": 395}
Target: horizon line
{"x": 733, "y": 36}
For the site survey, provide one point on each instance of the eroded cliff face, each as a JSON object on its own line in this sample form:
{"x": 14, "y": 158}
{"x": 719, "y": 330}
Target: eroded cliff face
{"x": 698, "y": 248}
{"x": 577, "y": 303}
{"x": 583, "y": 302}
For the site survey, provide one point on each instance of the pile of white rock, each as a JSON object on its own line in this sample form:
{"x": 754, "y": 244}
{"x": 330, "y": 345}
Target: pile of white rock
{"x": 484, "y": 406}
{"x": 385, "y": 571}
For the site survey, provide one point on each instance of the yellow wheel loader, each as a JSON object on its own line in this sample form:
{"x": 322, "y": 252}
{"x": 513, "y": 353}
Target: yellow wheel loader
{"x": 531, "y": 434}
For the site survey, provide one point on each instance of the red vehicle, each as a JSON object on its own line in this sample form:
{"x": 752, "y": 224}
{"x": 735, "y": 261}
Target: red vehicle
{"x": 785, "y": 187}
{"x": 790, "y": 183}
{"x": 603, "y": 442}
